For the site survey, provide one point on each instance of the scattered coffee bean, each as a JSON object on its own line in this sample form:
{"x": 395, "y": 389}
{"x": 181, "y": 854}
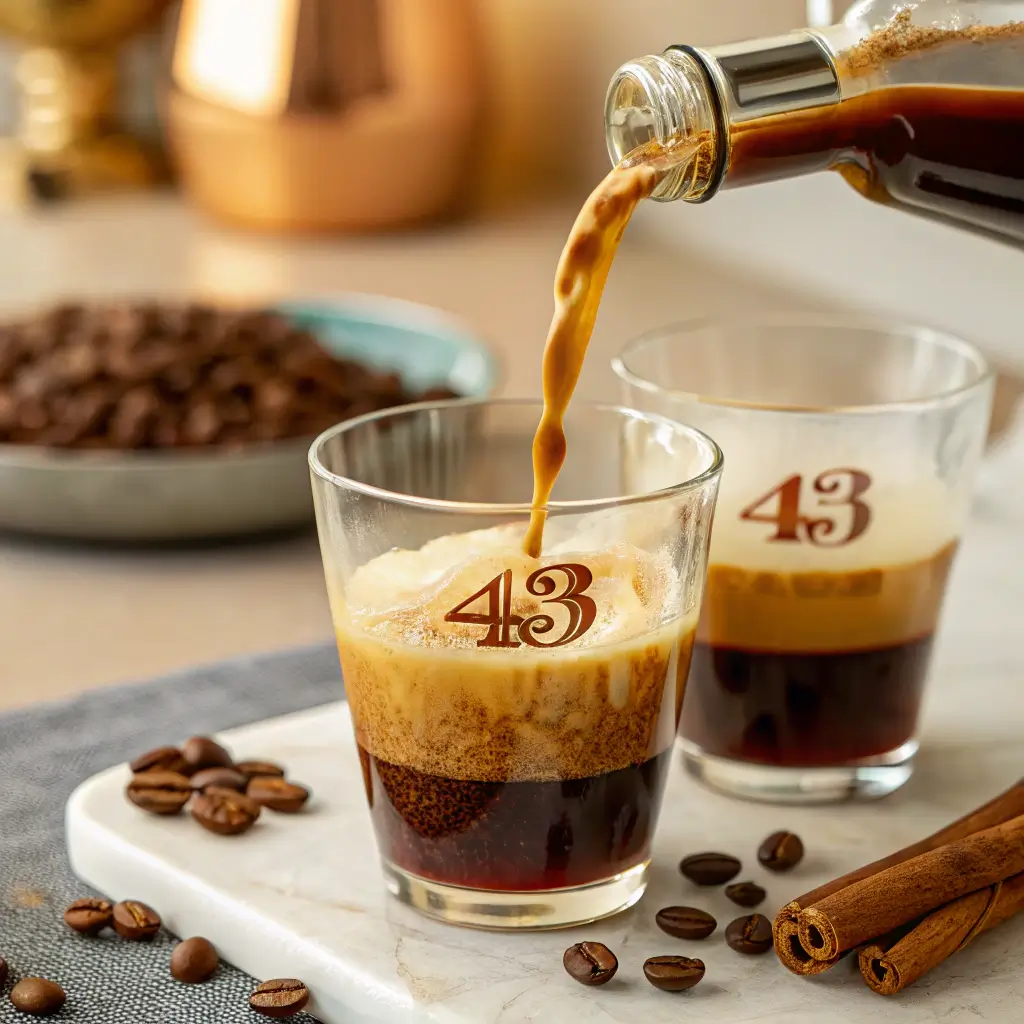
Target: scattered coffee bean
{"x": 685, "y": 922}
{"x": 745, "y": 894}
{"x": 710, "y": 868}
{"x": 89, "y": 916}
{"x": 3, "y": 973}
{"x": 224, "y": 811}
{"x": 202, "y": 752}
{"x": 194, "y": 961}
{"x": 223, "y": 778}
{"x": 163, "y": 759}
{"x": 159, "y": 792}
{"x": 277, "y": 794}
{"x": 781, "y": 851}
{"x": 37, "y": 997}
{"x": 135, "y": 921}
{"x": 673, "y": 973}
{"x": 281, "y": 997}
{"x": 590, "y": 963}
{"x": 751, "y": 934}
{"x": 250, "y": 769}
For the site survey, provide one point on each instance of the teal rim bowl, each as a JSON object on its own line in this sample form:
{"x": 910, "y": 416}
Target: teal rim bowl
{"x": 424, "y": 346}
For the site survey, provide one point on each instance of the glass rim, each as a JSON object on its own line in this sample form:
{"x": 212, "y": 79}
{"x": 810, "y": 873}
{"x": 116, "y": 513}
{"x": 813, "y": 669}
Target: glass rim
{"x": 517, "y": 508}
{"x": 931, "y": 336}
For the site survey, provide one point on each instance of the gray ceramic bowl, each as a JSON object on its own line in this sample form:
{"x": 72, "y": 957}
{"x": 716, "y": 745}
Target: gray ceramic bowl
{"x": 147, "y": 497}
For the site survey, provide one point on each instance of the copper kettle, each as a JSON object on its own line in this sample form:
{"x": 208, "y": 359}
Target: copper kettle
{"x": 350, "y": 115}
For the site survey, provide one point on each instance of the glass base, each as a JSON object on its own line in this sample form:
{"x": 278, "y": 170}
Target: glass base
{"x": 869, "y": 779}
{"x": 505, "y": 911}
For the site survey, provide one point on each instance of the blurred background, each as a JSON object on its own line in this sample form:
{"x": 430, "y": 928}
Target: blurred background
{"x": 302, "y": 155}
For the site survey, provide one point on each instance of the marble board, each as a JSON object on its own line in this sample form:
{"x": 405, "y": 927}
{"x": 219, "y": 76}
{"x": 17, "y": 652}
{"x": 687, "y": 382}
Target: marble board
{"x": 302, "y": 896}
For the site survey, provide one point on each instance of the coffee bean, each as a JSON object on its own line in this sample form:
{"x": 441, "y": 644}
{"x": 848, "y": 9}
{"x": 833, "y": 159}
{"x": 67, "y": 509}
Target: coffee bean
{"x": 135, "y": 921}
{"x": 781, "y": 851}
{"x": 37, "y": 997}
{"x": 745, "y": 894}
{"x": 159, "y": 792}
{"x": 89, "y": 916}
{"x": 223, "y": 778}
{"x": 280, "y": 997}
{"x": 194, "y": 961}
{"x": 673, "y": 973}
{"x": 202, "y": 752}
{"x": 685, "y": 922}
{"x": 277, "y": 794}
{"x": 751, "y": 934}
{"x": 164, "y": 759}
{"x": 145, "y": 375}
{"x": 250, "y": 769}
{"x": 590, "y": 963}
{"x": 710, "y": 868}
{"x": 3, "y": 973}
{"x": 224, "y": 811}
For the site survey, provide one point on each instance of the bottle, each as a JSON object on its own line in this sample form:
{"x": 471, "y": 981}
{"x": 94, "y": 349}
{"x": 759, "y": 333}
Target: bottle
{"x": 920, "y": 107}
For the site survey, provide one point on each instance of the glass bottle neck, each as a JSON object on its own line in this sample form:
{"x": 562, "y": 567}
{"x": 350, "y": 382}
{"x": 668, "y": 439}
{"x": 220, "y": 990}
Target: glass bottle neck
{"x": 688, "y": 92}
{"x": 665, "y": 98}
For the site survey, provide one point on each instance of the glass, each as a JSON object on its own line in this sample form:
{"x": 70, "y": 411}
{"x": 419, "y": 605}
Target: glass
{"x": 918, "y": 106}
{"x": 514, "y": 716}
{"x": 852, "y": 450}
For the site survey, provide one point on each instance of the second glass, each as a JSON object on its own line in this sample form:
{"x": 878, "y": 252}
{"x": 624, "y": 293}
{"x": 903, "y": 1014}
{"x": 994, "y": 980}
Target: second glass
{"x": 852, "y": 450}
{"x": 514, "y": 716}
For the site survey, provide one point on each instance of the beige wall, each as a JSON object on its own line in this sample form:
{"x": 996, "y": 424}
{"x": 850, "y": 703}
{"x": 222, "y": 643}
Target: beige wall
{"x": 551, "y": 61}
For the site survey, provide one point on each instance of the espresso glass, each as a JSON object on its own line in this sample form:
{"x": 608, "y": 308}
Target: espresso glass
{"x": 852, "y": 450}
{"x": 514, "y": 716}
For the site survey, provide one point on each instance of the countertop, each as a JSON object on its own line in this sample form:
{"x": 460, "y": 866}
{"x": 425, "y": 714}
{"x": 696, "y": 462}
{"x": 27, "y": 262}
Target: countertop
{"x": 74, "y": 618}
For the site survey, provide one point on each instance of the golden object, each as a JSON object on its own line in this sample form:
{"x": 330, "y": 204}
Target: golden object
{"x": 67, "y": 141}
{"x": 352, "y": 115}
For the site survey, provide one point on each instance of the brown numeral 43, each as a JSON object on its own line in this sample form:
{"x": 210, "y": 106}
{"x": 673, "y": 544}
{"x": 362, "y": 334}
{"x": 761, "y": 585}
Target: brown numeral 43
{"x": 834, "y": 487}
{"x": 499, "y": 618}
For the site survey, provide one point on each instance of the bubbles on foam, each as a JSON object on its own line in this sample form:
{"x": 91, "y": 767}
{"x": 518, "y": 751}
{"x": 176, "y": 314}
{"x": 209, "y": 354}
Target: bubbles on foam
{"x": 402, "y": 596}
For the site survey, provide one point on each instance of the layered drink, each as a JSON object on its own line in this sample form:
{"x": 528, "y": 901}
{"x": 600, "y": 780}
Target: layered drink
{"x": 810, "y": 655}
{"x": 514, "y": 716}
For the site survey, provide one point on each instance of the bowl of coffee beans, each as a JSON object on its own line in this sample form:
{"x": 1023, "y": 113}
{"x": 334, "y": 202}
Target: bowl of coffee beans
{"x": 145, "y": 421}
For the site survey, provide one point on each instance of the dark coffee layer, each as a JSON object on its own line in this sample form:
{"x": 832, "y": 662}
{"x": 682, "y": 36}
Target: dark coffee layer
{"x": 515, "y": 836}
{"x": 804, "y": 709}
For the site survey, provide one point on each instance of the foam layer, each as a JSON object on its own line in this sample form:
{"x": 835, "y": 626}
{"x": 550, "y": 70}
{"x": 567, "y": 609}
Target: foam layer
{"x": 403, "y": 596}
{"x": 906, "y": 525}
{"x": 425, "y": 696}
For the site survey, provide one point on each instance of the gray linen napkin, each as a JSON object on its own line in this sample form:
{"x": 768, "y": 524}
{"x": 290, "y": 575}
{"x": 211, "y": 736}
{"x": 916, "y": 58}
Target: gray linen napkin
{"x": 45, "y": 752}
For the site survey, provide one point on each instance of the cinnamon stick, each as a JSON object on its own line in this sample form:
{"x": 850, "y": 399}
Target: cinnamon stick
{"x": 940, "y": 935}
{"x": 1007, "y": 805}
{"x": 904, "y": 892}
{"x": 792, "y": 954}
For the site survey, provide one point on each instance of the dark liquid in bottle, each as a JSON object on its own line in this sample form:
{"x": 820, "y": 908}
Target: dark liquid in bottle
{"x": 950, "y": 152}
{"x": 514, "y": 836}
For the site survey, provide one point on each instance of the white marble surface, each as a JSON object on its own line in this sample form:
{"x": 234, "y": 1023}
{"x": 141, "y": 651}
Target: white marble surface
{"x": 303, "y": 896}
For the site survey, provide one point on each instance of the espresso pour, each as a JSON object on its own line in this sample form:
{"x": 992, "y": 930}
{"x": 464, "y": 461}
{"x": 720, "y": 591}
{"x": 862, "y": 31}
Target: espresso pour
{"x": 579, "y": 284}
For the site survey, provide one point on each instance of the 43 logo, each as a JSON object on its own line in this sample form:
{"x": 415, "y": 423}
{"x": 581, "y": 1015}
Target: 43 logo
{"x": 836, "y": 496}
{"x": 575, "y": 580}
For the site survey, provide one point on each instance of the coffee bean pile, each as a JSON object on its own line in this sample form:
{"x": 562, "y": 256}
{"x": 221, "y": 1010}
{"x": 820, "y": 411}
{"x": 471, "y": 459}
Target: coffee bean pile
{"x": 223, "y": 796}
{"x": 145, "y": 375}
{"x": 193, "y": 961}
{"x": 593, "y": 963}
